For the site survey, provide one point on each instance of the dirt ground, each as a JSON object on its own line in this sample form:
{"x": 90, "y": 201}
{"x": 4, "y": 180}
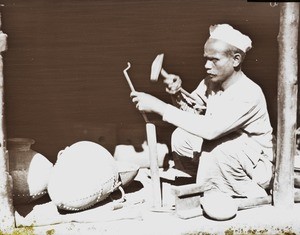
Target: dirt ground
{"x": 137, "y": 216}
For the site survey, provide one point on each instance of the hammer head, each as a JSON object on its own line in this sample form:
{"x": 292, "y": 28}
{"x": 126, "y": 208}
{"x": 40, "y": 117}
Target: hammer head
{"x": 156, "y": 67}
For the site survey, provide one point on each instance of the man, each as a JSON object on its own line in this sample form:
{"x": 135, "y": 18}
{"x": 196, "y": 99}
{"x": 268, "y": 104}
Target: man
{"x": 232, "y": 133}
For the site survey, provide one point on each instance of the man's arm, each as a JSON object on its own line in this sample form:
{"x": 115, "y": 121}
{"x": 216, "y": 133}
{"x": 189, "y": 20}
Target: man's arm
{"x": 226, "y": 120}
{"x": 227, "y": 117}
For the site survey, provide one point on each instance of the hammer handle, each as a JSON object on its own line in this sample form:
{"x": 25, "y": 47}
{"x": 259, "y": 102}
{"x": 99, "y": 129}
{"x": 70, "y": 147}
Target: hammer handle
{"x": 164, "y": 73}
{"x": 188, "y": 94}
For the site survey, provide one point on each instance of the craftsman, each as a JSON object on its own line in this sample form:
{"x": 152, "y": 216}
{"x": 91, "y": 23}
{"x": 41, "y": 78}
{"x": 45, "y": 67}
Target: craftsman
{"x": 232, "y": 134}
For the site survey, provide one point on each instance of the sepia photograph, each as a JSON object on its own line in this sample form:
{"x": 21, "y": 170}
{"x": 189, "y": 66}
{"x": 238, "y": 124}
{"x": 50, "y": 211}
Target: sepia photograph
{"x": 149, "y": 117}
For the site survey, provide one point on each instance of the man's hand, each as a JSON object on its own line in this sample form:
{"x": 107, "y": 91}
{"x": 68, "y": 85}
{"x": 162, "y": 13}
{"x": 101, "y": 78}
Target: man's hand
{"x": 173, "y": 84}
{"x": 148, "y": 103}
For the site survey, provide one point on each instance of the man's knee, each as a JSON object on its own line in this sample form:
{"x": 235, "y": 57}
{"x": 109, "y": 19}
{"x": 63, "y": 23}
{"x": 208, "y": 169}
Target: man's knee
{"x": 185, "y": 143}
{"x": 177, "y": 140}
{"x": 263, "y": 173}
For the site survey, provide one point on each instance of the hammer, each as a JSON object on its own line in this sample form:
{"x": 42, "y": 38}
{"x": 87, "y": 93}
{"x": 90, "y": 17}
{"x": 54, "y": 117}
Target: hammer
{"x": 156, "y": 70}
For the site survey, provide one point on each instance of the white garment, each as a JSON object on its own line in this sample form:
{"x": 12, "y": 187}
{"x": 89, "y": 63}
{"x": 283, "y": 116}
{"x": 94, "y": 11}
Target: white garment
{"x": 236, "y": 125}
{"x": 240, "y": 108}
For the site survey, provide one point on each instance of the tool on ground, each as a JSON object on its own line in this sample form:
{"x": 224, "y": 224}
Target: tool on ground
{"x": 47, "y": 214}
{"x": 188, "y": 201}
{"x": 153, "y": 156}
{"x": 156, "y": 70}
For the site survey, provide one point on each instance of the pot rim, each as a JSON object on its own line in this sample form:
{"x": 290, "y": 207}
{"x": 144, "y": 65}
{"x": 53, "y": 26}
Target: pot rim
{"x": 21, "y": 140}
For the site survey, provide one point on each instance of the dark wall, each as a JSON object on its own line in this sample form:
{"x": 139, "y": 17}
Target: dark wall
{"x": 63, "y": 67}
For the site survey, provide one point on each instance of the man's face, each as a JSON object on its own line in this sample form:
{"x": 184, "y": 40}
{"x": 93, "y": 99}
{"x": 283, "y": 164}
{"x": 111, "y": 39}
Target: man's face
{"x": 219, "y": 65}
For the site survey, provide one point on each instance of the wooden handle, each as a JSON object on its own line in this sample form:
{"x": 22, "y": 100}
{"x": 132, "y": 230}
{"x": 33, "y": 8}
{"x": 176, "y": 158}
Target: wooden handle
{"x": 152, "y": 144}
{"x": 164, "y": 73}
{"x": 200, "y": 101}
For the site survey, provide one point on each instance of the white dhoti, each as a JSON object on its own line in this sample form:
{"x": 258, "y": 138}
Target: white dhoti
{"x": 235, "y": 164}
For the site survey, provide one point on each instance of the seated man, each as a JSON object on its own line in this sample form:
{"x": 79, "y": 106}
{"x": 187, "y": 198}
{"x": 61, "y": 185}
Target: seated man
{"x": 230, "y": 130}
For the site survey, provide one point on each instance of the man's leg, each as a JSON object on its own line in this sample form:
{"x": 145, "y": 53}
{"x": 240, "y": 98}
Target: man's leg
{"x": 186, "y": 149}
{"x": 231, "y": 170}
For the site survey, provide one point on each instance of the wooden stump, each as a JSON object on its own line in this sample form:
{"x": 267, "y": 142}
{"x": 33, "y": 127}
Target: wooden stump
{"x": 287, "y": 105}
{"x": 7, "y": 221}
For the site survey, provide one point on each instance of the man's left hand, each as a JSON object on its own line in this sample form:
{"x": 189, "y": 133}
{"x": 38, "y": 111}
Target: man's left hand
{"x": 148, "y": 103}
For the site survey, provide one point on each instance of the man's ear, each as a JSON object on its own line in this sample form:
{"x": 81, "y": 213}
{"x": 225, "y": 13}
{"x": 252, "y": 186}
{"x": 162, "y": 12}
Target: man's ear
{"x": 237, "y": 59}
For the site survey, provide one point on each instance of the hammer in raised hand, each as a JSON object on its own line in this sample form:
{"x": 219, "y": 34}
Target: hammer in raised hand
{"x": 156, "y": 70}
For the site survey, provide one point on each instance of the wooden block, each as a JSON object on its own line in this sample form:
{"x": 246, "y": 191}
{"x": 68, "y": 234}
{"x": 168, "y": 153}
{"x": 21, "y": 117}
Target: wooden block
{"x": 297, "y": 179}
{"x": 187, "y": 200}
{"x": 152, "y": 144}
{"x": 3, "y": 41}
{"x": 297, "y": 195}
{"x": 247, "y": 203}
{"x": 185, "y": 190}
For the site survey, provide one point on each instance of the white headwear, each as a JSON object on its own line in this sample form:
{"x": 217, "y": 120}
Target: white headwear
{"x": 228, "y": 34}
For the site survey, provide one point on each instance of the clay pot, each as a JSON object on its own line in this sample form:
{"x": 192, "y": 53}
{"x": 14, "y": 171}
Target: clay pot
{"x": 29, "y": 170}
{"x": 84, "y": 174}
{"x": 219, "y": 206}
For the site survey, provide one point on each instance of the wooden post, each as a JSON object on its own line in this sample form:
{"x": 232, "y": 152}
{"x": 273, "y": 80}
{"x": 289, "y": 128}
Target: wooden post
{"x": 7, "y": 221}
{"x": 152, "y": 144}
{"x": 287, "y": 105}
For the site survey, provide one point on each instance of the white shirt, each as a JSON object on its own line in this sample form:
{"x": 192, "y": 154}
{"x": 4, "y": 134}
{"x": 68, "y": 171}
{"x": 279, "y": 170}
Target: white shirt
{"x": 240, "y": 108}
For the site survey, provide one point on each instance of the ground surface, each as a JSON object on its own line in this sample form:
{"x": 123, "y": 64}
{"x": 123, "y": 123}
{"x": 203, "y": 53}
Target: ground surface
{"x": 138, "y": 217}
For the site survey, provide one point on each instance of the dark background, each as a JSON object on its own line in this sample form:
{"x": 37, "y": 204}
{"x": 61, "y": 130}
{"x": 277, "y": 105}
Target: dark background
{"x": 63, "y": 69}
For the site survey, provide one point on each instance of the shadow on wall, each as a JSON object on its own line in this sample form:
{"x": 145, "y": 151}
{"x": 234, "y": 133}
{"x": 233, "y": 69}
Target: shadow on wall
{"x": 108, "y": 135}
{"x": 63, "y": 67}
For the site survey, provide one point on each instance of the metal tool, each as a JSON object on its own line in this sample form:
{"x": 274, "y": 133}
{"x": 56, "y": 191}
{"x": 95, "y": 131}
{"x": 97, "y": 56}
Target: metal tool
{"x": 152, "y": 144}
{"x": 132, "y": 87}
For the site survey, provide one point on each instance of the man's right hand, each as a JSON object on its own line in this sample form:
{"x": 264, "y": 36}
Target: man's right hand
{"x": 173, "y": 84}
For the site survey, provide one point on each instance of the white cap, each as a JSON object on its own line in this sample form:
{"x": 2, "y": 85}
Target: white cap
{"x": 228, "y": 34}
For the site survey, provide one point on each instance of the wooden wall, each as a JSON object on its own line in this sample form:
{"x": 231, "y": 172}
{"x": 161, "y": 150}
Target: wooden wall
{"x": 63, "y": 68}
